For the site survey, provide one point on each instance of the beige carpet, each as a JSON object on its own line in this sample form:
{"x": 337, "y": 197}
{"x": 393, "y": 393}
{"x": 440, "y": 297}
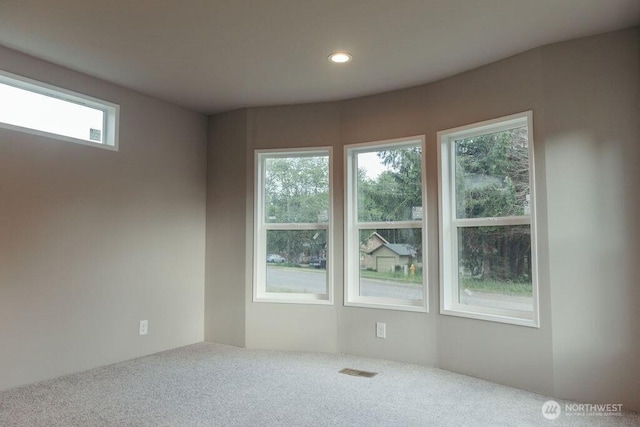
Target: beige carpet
{"x": 215, "y": 385}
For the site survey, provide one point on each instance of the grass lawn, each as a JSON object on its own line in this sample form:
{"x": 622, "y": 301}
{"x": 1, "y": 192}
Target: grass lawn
{"x": 505, "y": 288}
{"x": 304, "y": 267}
{"x": 397, "y": 276}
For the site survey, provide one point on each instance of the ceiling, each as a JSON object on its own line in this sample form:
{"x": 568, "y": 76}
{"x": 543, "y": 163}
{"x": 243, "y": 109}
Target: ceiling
{"x": 218, "y": 55}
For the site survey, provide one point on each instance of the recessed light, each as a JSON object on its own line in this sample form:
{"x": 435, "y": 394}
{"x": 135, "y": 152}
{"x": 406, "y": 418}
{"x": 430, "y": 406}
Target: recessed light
{"x": 340, "y": 57}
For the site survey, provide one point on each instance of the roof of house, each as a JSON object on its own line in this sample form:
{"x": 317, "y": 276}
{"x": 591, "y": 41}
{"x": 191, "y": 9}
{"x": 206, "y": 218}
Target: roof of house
{"x": 375, "y": 234}
{"x": 402, "y": 249}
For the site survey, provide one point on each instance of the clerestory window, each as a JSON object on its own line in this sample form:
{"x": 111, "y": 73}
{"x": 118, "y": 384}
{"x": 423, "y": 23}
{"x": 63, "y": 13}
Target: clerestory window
{"x": 34, "y": 107}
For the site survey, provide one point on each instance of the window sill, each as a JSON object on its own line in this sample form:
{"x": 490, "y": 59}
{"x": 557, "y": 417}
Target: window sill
{"x": 290, "y": 299}
{"x": 499, "y": 318}
{"x": 399, "y": 306}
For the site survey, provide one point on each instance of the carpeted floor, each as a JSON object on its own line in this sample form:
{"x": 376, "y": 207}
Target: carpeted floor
{"x": 216, "y": 385}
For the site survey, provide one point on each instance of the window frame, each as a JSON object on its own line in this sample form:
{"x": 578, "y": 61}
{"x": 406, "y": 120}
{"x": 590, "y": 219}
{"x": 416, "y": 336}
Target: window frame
{"x": 352, "y": 226}
{"x": 449, "y": 224}
{"x": 111, "y": 116}
{"x": 261, "y": 227}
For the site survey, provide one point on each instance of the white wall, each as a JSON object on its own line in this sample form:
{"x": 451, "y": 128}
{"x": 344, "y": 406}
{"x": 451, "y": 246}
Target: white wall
{"x": 592, "y": 102}
{"x": 93, "y": 241}
{"x": 584, "y": 95}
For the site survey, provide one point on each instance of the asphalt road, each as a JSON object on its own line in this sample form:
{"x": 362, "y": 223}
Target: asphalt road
{"x": 487, "y": 299}
{"x": 315, "y": 281}
{"x": 283, "y": 279}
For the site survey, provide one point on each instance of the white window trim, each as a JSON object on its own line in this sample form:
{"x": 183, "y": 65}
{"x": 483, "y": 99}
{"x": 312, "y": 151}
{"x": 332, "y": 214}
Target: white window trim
{"x": 260, "y": 293}
{"x": 448, "y": 223}
{"x": 352, "y": 296}
{"x": 111, "y": 110}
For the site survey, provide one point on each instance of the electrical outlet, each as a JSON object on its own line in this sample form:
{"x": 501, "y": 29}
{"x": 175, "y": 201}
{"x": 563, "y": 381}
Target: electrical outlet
{"x": 381, "y": 330}
{"x": 144, "y": 327}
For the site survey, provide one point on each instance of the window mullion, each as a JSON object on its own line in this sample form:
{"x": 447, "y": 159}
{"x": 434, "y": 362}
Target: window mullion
{"x": 388, "y": 225}
{"x": 492, "y": 222}
{"x": 296, "y": 226}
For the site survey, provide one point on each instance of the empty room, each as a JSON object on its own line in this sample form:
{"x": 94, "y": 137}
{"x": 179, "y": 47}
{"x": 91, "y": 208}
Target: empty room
{"x": 319, "y": 212}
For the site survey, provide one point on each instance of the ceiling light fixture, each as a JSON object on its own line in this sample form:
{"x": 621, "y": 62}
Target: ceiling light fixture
{"x": 340, "y": 57}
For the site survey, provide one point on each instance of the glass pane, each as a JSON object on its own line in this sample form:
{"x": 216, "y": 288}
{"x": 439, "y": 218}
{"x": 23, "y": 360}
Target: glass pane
{"x": 492, "y": 175}
{"x": 390, "y": 184}
{"x": 297, "y": 189}
{"x": 391, "y": 263}
{"x": 297, "y": 261}
{"x": 20, "y": 107}
{"x": 494, "y": 267}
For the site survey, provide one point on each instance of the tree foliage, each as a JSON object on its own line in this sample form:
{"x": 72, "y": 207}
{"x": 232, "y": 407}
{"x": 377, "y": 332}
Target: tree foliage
{"x": 492, "y": 180}
{"x": 296, "y": 191}
{"x": 492, "y": 175}
{"x": 394, "y": 194}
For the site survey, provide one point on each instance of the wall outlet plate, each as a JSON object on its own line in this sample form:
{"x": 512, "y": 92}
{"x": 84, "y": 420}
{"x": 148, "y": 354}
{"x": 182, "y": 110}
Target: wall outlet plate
{"x": 144, "y": 327}
{"x": 381, "y": 330}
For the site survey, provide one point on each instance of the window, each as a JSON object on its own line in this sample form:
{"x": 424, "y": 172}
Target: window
{"x": 385, "y": 245}
{"x": 34, "y": 107}
{"x": 293, "y": 227}
{"x": 487, "y": 221}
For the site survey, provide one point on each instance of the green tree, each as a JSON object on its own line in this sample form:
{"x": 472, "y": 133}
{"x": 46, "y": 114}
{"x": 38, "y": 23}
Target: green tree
{"x": 393, "y": 195}
{"x": 296, "y": 191}
{"x": 492, "y": 174}
{"x": 492, "y": 180}
{"x": 396, "y": 191}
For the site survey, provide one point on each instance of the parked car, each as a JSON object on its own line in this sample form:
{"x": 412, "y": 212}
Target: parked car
{"x": 318, "y": 262}
{"x": 275, "y": 258}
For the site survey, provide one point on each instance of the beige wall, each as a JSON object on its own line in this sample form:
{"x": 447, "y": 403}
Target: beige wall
{"x": 592, "y": 103}
{"x": 280, "y": 326}
{"x": 226, "y": 234}
{"x": 93, "y": 241}
{"x": 513, "y": 355}
{"x": 584, "y": 95}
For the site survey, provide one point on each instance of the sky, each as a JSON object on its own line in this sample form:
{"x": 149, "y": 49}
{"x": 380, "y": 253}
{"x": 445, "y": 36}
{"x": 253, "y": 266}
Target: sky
{"x": 31, "y": 110}
{"x": 372, "y": 164}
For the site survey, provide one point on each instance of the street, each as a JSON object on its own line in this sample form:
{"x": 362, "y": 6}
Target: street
{"x": 314, "y": 281}
{"x": 282, "y": 279}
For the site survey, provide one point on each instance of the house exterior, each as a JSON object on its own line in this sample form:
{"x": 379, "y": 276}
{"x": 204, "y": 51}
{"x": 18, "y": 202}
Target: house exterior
{"x": 376, "y": 253}
{"x": 389, "y": 255}
{"x": 373, "y": 242}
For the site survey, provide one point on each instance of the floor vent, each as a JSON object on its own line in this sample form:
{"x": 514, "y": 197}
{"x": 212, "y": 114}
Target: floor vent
{"x": 357, "y": 373}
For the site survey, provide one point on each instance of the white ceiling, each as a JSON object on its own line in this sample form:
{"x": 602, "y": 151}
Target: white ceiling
{"x": 218, "y": 55}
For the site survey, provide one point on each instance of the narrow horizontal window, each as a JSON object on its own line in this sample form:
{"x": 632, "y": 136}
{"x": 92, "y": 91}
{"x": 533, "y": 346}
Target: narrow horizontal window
{"x": 34, "y": 107}
{"x": 385, "y": 225}
{"x": 487, "y": 221}
{"x": 293, "y": 227}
